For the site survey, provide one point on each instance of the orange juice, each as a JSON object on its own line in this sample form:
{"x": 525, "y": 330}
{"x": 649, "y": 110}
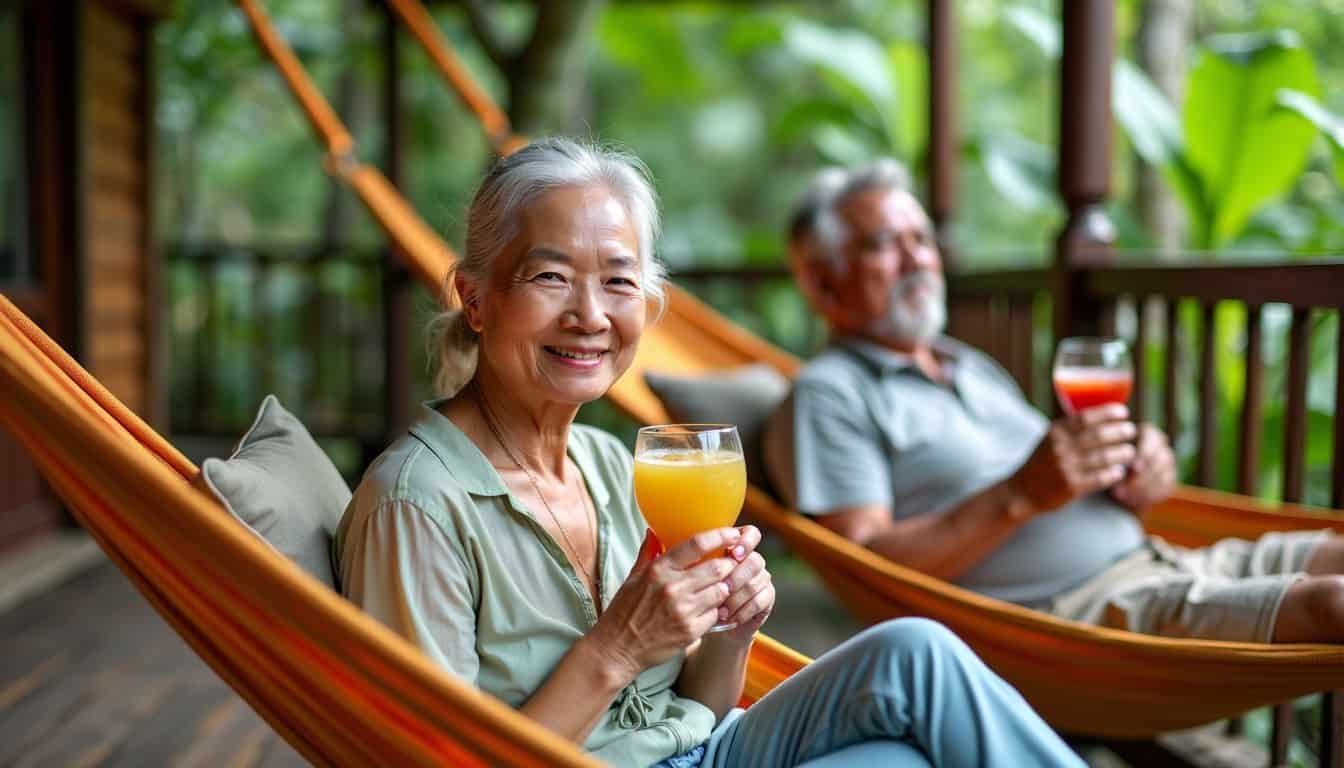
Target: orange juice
{"x": 682, "y": 493}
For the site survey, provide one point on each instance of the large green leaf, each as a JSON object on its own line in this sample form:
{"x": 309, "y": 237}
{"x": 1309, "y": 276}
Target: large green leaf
{"x": 853, "y": 61}
{"x": 1021, "y": 170}
{"x": 1330, "y": 125}
{"x": 1245, "y": 150}
{"x": 1154, "y": 130}
{"x": 1038, "y": 27}
{"x": 799, "y": 120}
{"x": 909, "y": 68}
{"x": 1141, "y": 109}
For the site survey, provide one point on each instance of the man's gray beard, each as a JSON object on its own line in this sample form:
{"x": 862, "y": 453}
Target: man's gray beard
{"x": 906, "y": 325}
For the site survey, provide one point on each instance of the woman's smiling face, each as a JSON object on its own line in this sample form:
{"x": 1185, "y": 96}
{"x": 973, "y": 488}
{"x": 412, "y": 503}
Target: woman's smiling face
{"x": 563, "y": 308}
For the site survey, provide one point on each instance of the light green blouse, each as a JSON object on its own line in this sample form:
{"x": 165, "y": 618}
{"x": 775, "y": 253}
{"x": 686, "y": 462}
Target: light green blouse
{"x": 434, "y": 546}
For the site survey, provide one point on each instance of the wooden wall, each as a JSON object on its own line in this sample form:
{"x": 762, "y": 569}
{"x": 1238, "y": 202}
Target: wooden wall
{"x": 88, "y": 96}
{"x": 118, "y": 298}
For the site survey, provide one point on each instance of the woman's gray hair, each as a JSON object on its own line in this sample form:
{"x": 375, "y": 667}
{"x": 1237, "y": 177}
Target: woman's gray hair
{"x": 514, "y": 183}
{"x": 829, "y": 229}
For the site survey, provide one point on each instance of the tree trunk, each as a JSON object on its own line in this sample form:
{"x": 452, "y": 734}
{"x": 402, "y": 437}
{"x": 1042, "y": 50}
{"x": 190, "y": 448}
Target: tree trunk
{"x": 546, "y": 78}
{"x": 1164, "y": 39}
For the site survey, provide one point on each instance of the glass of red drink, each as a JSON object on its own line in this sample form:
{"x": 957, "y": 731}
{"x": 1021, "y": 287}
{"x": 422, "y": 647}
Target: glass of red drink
{"x": 1092, "y": 371}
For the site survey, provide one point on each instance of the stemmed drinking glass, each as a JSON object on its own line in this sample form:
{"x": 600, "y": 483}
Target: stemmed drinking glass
{"x": 689, "y": 478}
{"x": 1092, "y": 371}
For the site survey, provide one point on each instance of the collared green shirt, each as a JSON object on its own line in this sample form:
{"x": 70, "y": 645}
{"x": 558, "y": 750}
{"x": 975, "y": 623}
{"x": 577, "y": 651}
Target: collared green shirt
{"x": 434, "y": 546}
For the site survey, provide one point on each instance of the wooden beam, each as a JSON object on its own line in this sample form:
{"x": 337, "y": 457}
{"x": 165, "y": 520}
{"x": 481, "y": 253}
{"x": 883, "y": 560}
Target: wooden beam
{"x": 943, "y": 133}
{"x": 1084, "y": 159}
{"x": 397, "y": 285}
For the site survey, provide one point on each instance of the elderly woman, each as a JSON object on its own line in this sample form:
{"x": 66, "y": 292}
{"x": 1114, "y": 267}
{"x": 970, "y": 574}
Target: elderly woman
{"x": 503, "y": 539}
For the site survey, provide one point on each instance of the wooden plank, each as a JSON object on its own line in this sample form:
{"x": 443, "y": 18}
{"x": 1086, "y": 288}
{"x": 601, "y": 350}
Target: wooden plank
{"x": 120, "y": 127}
{"x": 1252, "y": 407}
{"x": 1208, "y": 398}
{"x": 116, "y": 208}
{"x": 1281, "y": 737}
{"x": 1138, "y": 405}
{"x": 103, "y": 720}
{"x": 1170, "y": 415}
{"x": 1295, "y": 425}
{"x": 1022, "y": 350}
{"x": 1318, "y": 284}
{"x": 1337, "y": 465}
{"x": 116, "y": 297}
{"x": 108, "y": 31}
{"x": 1332, "y": 730}
{"x": 117, "y": 349}
{"x": 112, "y": 170}
{"x": 230, "y": 728}
{"x": 1007, "y": 282}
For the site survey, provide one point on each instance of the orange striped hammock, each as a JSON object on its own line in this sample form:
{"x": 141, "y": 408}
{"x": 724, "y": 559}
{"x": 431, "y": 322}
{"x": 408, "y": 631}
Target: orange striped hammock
{"x": 1080, "y": 678}
{"x": 333, "y": 682}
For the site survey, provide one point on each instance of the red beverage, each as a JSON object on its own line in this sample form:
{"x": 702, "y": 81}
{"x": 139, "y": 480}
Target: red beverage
{"x": 1082, "y": 388}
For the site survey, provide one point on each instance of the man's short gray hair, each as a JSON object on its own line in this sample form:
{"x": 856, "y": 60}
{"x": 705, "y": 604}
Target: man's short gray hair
{"x": 514, "y": 183}
{"x": 827, "y": 227}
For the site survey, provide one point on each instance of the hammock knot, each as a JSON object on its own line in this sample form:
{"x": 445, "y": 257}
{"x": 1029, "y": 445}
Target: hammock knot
{"x": 342, "y": 163}
{"x": 632, "y": 708}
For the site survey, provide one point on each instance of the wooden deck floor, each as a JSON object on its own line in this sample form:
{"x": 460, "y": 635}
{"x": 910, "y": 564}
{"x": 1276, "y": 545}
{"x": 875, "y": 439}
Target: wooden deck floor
{"x": 91, "y": 676}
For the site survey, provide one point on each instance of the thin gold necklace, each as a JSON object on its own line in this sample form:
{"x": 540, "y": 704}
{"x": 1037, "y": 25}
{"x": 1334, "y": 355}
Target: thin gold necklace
{"x": 491, "y": 422}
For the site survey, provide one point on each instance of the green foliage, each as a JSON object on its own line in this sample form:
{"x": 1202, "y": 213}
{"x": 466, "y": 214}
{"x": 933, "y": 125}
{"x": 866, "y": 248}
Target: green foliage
{"x": 1331, "y": 126}
{"x": 1235, "y": 146}
{"x": 1242, "y": 148}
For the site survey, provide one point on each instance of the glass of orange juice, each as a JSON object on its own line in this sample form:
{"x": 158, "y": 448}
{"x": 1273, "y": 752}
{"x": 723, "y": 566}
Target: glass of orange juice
{"x": 689, "y": 478}
{"x": 1092, "y": 371}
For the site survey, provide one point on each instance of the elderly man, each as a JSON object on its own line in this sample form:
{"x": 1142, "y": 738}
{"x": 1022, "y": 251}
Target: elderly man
{"x": 924, "y": 450}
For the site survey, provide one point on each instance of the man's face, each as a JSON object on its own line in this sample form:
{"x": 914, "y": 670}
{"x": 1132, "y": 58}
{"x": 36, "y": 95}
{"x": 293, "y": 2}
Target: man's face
{"x": 890, "y": 282}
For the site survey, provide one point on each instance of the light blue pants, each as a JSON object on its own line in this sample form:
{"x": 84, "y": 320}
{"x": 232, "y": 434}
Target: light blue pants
{"x": 903, "y": 693}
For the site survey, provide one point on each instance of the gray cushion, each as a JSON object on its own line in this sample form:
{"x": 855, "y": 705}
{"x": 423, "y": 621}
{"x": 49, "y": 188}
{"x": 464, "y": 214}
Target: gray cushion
{"x": 743, "y": 396}
{"x": 280, "y": 484}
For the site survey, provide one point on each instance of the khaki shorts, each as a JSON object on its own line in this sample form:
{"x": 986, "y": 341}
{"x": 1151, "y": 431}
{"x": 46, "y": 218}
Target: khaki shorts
{"x": 1228, "y": 591}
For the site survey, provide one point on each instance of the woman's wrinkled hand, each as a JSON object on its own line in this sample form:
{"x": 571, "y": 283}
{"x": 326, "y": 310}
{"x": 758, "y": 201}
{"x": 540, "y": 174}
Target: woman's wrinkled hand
{"x": 751, "y": 591}
{"x": 668, "y": 602}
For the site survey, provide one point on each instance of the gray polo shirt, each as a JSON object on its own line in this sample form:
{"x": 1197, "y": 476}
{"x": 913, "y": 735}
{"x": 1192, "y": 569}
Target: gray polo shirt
{"x": 434, "y": 546}
{"x": 866, "y": 426}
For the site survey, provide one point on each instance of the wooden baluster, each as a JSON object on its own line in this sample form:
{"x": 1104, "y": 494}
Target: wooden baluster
{"x": 943, "y": 156}
{"x": 1337, "y": 460}
{"x": 1137, "y": 400}
{"x": 314, "y": 320}
{"x": 1208, "y": 399}
{"x": 1294, "y": 454}
{"x": 1282, "y": 735}
{"x": 1332, "y": 704}
{"x": 1170, "y": 420}
{"x": 1295, "y": 427}
{"x": 1020, "y": 332}
{"x": 1252, "y": 409}
{"x": 208, "y": 404}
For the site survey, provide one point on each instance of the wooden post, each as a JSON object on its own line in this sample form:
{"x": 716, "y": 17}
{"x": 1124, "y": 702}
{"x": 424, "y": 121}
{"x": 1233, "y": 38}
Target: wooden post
{"x": 1084, "y": 160}
{"x": 943, "y": 135}
{"x": 396, "y": 280}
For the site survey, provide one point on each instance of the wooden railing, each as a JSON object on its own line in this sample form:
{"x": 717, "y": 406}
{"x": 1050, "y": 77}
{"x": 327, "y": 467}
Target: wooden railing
{"x": 308, "y": 325}
{"x": 300, "y": 322}
{"x": 1171, "y": 315}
